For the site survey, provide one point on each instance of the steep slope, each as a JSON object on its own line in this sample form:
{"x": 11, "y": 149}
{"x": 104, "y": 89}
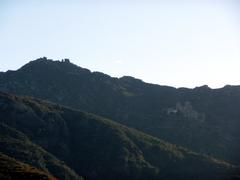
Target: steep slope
{"x": 15, "y": 144}
{"x": 203, "y": 119}
{"x": 95, "y": 147}
{"x": 11, "y": 169}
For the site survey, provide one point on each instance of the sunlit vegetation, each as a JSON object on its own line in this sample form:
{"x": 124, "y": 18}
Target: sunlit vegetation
{"x": 94, "y": 147}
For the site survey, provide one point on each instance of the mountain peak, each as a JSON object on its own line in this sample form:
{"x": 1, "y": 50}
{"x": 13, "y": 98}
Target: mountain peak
{"x": 66, "y": 60}
{"x": 45, "y": 60}
{"x": 130, "y": 79}
{"x": 44, "y": 64}
{"x": 202, "y": 88}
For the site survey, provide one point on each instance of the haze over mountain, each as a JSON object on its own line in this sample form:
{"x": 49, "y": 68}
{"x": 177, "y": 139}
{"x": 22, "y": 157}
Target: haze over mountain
{"x": 202, "y": 120}
{"x": 163, "y": 101}
{"x": 178, "y": 43}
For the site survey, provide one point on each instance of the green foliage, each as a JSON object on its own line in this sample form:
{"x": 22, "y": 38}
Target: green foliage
{"x": 16, "y": 144}
{"x": 94, "y": 147}
{"x": 208, "y": 124}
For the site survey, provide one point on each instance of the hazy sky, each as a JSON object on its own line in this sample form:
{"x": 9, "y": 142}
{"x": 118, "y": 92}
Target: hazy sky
{"x": 177, "y": 43}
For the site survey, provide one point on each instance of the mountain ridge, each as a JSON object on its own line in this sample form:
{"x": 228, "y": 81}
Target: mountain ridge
{"x": 202, "y": 119}
{"x": 63, "y": 61}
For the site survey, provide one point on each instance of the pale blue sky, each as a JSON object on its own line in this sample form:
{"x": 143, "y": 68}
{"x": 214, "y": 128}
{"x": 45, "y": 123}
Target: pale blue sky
{"x": 177, "y": 43}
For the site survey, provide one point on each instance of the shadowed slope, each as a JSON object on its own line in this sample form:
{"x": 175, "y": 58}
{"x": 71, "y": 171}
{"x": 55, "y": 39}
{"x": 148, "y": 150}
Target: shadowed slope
{"x": 11, "y": 169}
{"x": 15, "y": 144}
{"x": 202, "y": 119}
{"x": 98, "y": 148}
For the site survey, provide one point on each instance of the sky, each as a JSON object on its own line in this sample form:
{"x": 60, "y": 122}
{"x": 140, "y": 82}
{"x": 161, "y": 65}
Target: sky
{"x": 180, "y": 43}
